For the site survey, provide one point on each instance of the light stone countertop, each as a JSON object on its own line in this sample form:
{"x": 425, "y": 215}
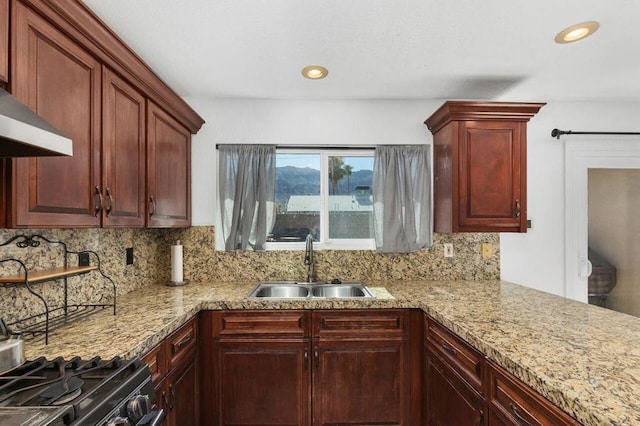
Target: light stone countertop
{"x": 584, "y": 359}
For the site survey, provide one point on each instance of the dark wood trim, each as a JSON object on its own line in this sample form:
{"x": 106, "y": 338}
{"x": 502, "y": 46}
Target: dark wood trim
{"x": 481, "y": 111}
{"x": 4, "y": 41}
{"x": 83, "y": 26}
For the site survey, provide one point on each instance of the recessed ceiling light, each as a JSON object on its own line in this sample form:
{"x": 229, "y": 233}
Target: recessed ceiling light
{"x": 315, "y": 72}
{"x": 577, "y": 32}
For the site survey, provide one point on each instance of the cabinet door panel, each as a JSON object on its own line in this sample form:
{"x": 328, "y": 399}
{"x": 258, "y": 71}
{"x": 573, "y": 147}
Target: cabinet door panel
{"x": 124, "y": 153}
{"x": 449, "y": 400}
{"x": 264, "y": 383}
{"x": 168, "y": 170}
{"x": 4, "y": 41}
{"x": 490, "y": 174}
{"x": 61, "y": 82}
{"x": 360, "y": 383}
{"x": 182, "y": 389}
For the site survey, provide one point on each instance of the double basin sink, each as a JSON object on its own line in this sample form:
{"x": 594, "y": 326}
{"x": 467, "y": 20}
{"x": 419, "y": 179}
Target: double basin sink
{"x": 305, "y": 290}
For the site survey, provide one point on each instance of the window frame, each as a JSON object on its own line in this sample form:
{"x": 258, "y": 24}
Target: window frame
{"x": 325, "y": 242}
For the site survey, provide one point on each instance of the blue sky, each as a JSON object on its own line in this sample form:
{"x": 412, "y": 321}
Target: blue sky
{"x": 313, "y": 161}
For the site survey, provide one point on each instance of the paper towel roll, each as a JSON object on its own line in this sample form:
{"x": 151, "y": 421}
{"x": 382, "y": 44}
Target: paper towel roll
{"x": 176, "y": 263}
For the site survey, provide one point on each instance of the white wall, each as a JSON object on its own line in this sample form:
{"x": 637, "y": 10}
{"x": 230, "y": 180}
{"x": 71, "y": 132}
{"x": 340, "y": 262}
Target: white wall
{"x": 296, "y": 122}
{"x": 535, "y": 259}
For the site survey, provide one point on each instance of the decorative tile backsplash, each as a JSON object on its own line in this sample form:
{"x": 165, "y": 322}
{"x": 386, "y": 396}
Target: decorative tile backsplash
{"x": 152, "y": 248}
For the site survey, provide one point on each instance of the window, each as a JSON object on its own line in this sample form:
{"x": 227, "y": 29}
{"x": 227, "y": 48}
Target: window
{"x": 326, "y": 193}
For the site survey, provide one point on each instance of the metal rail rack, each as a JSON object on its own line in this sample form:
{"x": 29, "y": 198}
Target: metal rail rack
{"x": 47, "y": 320}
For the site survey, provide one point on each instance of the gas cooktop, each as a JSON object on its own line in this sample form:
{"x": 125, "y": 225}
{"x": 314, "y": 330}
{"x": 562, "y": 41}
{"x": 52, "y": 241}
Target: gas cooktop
{"x": 78, "y": 392}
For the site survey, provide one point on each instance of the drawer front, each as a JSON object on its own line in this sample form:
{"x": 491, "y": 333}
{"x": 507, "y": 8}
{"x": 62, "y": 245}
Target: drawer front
{"x": 182, "y": 342}
{"x": 156, "y": 359}
{"x": 515, "y": 403}
{"x": 464, "y": 359}
{"x": 284, "y": 324}
{"x": 360, "y": 323}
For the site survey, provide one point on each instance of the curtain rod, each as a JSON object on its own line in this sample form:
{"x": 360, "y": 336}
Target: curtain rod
{"x": 555, "y": 133}
{"x": 317, "y": 147}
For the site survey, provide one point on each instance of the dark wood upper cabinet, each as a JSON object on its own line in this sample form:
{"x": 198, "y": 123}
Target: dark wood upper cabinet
{"x": 480, "y": 157}
{"x": 62, "y": 83}
{"x": 168, "y": 170}
{"x": 123, "y": 153}
{"x": 73, "y": 71}
{"x": 4, "y": 41}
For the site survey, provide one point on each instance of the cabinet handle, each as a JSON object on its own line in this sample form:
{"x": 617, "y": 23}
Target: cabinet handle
{"x": 184, "y": 341}
{"x": 99, "y": 201}
{"x": 306, "y": 359}
{"x": 317, "y": 358}
{"x": 521, "y": 420}
{"x": 173, "y": 395}
{"x": 479, "y": 420}
{"x": 153, "y": 206}
{"x": 449, "y": 348}
{"x": 166, "y": 400}
{"x": 110, "y": 205}
{"x": 517, "y": 208}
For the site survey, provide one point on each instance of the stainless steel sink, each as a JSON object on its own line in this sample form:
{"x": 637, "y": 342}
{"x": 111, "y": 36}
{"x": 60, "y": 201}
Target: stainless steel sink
{"x": 343, "y": 291}
{"x": 303, "y": 290}
{"x": 282, "y": 292}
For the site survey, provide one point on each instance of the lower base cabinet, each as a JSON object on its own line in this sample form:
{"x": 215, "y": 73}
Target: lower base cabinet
{"x": 360, "y": 383}
{"x": 263, "y": 383}
{"x": 463, "y": 388}
{"x": 176, "y": 375}
{"x": 450, "y": 401}
{"x": 335, "y": 367}
{"x": 308, "y": 368}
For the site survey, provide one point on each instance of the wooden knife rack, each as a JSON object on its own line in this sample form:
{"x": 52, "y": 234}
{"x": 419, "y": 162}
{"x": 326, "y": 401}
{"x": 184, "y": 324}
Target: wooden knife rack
{"x": 52, "y": 318}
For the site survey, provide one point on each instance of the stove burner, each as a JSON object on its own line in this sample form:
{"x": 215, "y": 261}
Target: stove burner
{"x": 90, "y": 389}
{"x": 68, "y": 397}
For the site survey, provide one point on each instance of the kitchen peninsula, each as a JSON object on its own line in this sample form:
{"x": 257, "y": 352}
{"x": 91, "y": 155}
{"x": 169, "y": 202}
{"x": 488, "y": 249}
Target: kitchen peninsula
{"x": 582, "y": 358}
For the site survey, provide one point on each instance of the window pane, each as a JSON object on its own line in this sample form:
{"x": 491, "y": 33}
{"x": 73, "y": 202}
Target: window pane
{"x": 297, "y": 197}
{"x": 350, "y": 199}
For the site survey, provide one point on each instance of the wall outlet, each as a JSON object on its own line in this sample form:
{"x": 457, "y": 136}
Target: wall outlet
{"x": 487, "y": 250}
{"x": 83, "y": 259}
{"x": 448, "y": 249}
{"x": 130, "y": 256}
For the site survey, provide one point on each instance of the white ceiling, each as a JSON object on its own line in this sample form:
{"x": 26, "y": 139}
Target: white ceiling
{"x": 427, "y": 49}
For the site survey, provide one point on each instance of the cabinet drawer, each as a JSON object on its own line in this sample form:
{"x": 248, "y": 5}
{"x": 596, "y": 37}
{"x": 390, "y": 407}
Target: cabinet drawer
{"x": 156, "y": 359}
{"x": 360, "y": 323}
{"x": 182, "y": 341}
{"x": 285, "y": 324}
{"x": 513, "y": 402}
{"x": 464, "y": 359}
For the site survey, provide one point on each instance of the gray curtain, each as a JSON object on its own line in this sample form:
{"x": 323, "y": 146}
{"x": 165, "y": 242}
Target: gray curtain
{"x": 246, "y": 179}
{"x": 402, "y": 198}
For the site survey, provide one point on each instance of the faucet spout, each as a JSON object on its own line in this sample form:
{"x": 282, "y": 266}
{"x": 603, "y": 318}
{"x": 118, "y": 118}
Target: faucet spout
{"x": 308, "y": 258}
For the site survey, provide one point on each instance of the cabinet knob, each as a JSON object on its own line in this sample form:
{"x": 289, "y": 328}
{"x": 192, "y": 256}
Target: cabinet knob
{"x": 517, "y": 208}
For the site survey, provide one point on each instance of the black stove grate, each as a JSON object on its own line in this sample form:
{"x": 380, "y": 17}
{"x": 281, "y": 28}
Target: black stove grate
{"x": 89, "y": 387}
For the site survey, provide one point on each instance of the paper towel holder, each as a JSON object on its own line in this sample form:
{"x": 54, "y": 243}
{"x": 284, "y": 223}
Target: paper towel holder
{"x": 177, "y": 283}
{"x": 177, "y": 279}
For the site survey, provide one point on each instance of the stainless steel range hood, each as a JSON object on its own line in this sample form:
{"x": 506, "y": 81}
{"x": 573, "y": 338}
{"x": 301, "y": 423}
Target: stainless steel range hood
{"x": 23, "y": 133}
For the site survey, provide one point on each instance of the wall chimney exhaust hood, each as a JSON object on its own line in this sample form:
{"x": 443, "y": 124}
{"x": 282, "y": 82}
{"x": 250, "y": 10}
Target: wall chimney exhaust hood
{"x": 24, "y": 133}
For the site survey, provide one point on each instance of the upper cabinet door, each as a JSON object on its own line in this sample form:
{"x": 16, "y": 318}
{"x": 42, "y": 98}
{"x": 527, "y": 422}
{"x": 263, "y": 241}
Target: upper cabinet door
{"x": 123, "y": 153}
{"x": 480, "y": 165}
{"x": 4, "y": 41}
{"x": 168, "y": 170}
{"x": 492, "y": 176}
{"x": 61, "y": 82}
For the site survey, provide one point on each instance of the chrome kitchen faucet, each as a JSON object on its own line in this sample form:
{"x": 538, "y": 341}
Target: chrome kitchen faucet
{"x": 308, "y": 258}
